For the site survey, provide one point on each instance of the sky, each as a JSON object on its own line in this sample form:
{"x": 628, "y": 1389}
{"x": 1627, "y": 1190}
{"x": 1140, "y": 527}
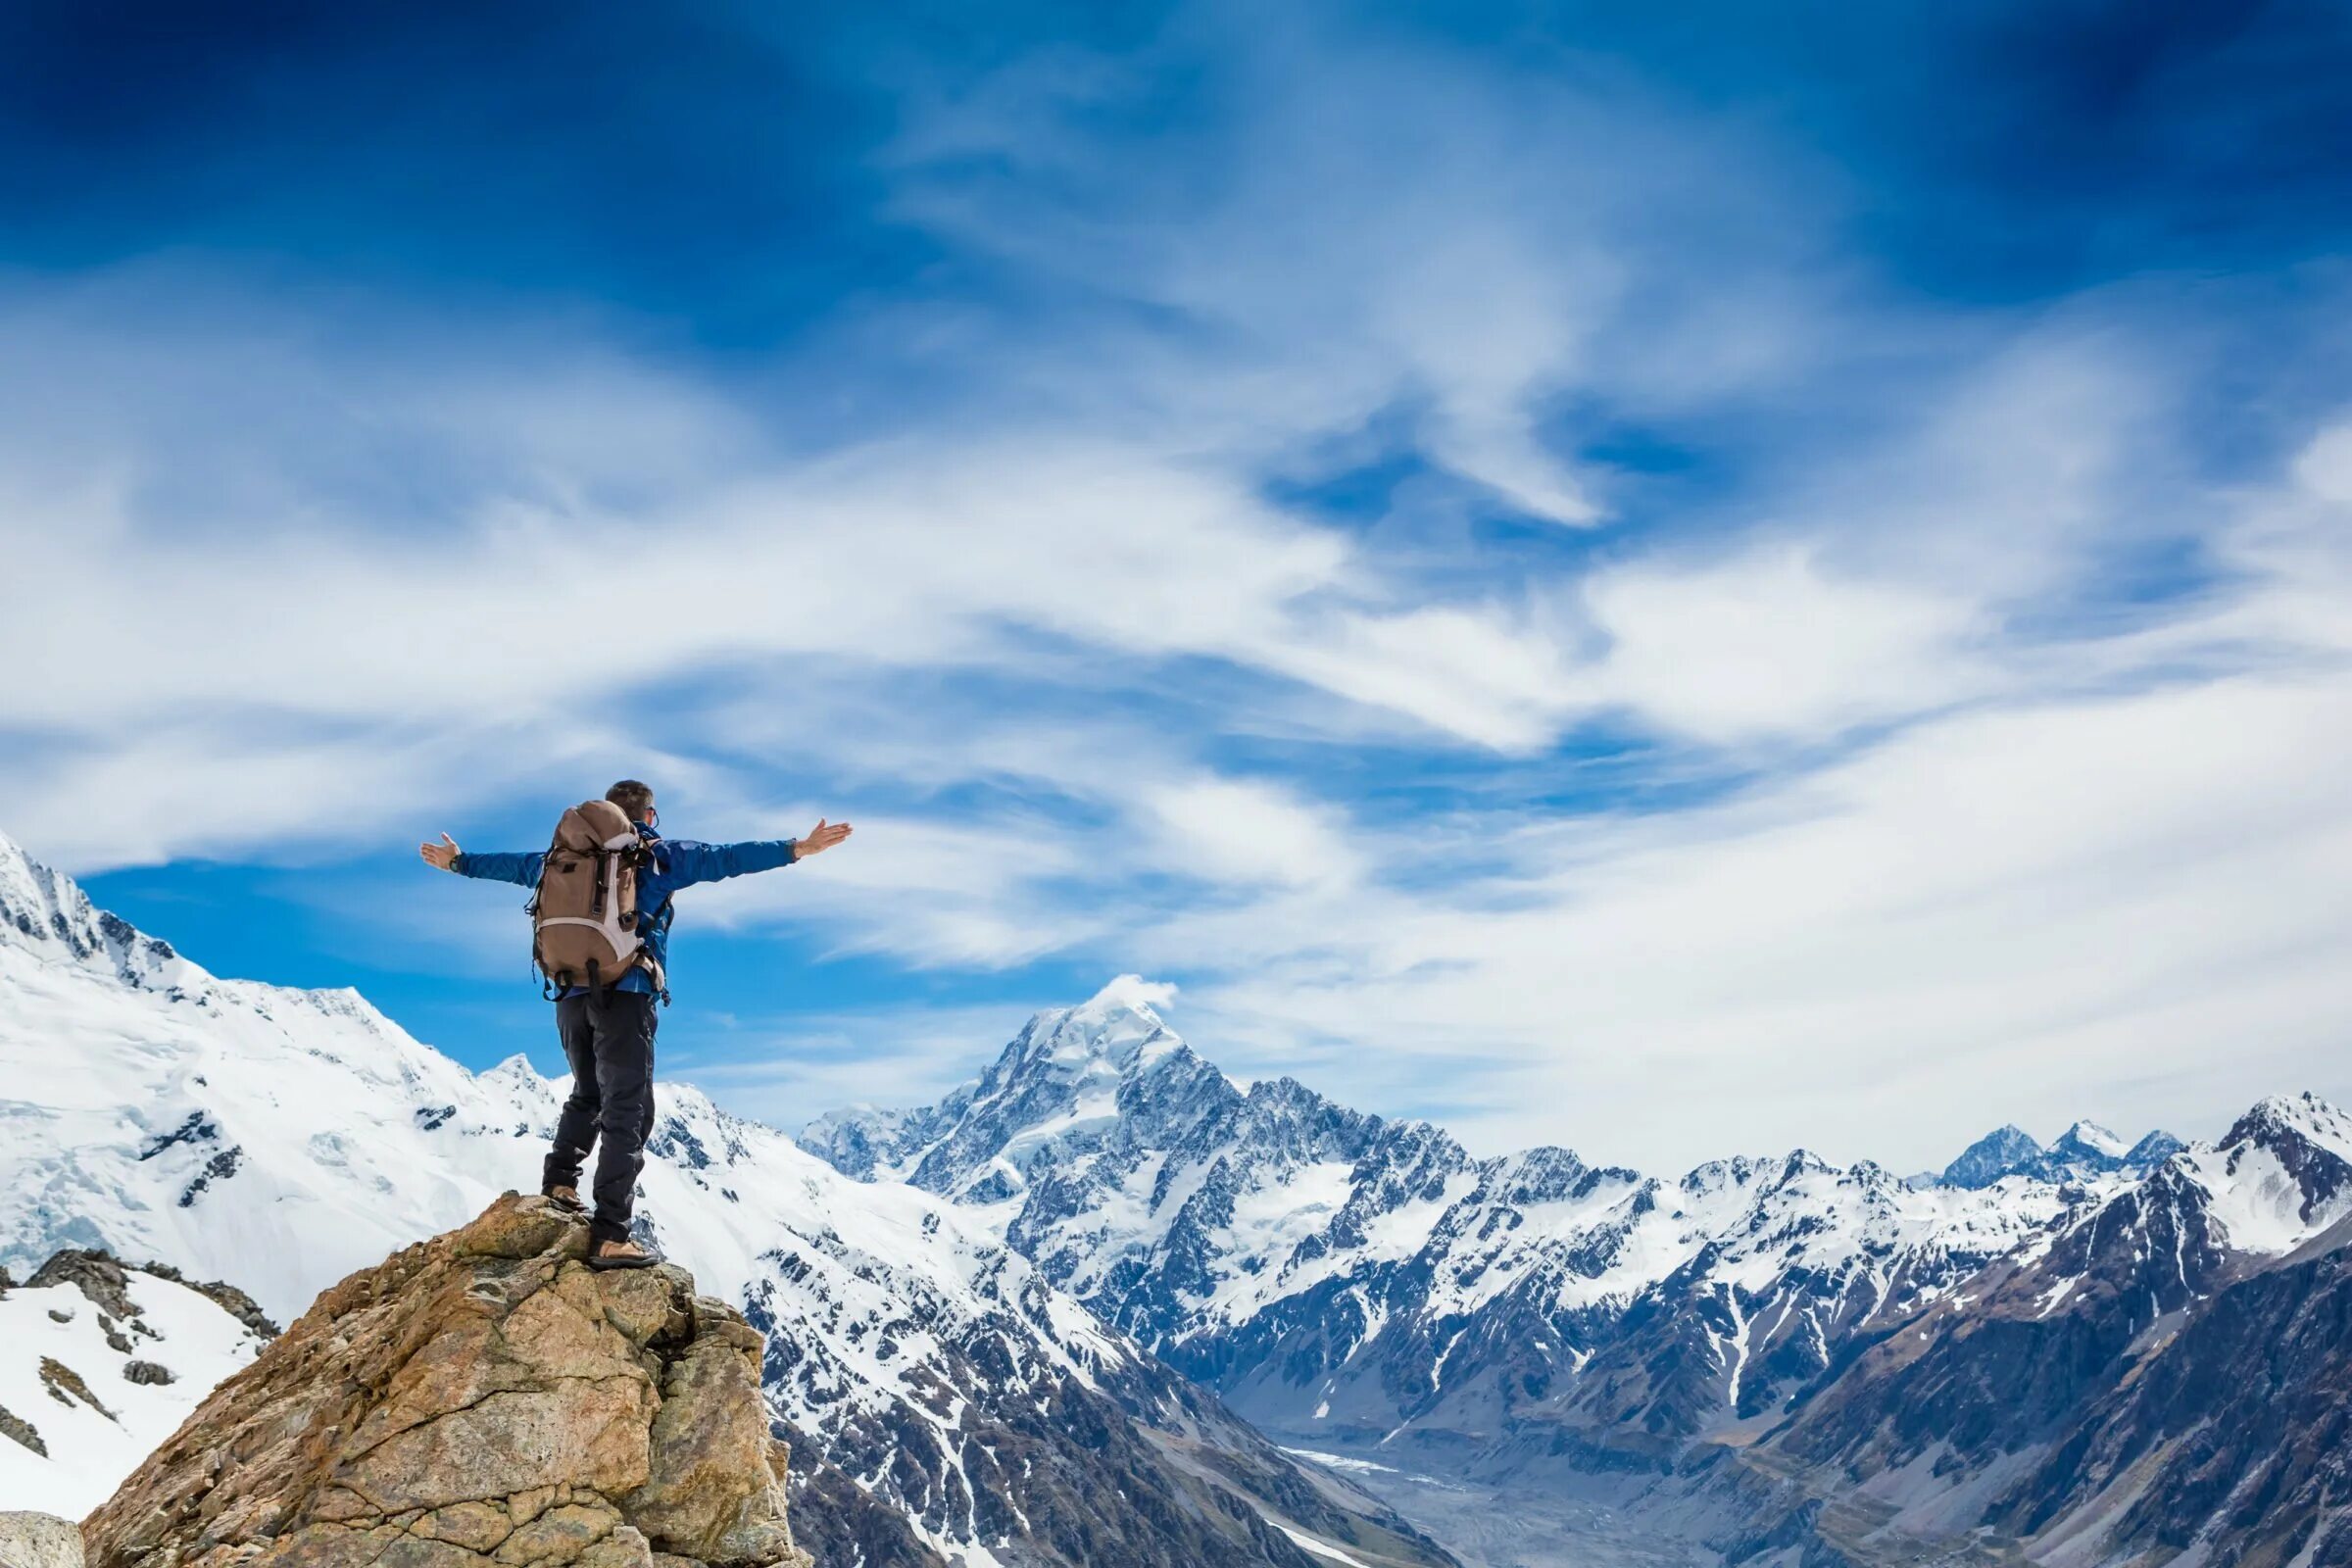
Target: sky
{"x": 1670, "y": 580}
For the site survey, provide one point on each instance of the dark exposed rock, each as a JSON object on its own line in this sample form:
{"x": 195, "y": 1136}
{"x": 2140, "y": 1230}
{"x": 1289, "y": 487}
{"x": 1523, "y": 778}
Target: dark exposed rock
{"x": 235, "y": 1302}
{"x": 105, "y": 1280}
{"x": 198, "y": 1128}
{"x": 837, "y": 1521}
{"x": 219, "y": 1168}
{"x": 148, "y": 1373}
{"x": 97, "y": 1275}
{"x": 19, "y": 1430}
{"x": 66, "y": 1386}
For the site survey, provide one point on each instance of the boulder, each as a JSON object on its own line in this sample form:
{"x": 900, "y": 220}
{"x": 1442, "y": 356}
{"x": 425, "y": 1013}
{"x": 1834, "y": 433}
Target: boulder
{"x": 480, "y": 1398}
{"x": 39, "y": 1540}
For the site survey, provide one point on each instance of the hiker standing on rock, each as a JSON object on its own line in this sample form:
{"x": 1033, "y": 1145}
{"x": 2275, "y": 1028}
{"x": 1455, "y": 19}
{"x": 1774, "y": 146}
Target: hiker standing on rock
{"x": 601, "y": 908}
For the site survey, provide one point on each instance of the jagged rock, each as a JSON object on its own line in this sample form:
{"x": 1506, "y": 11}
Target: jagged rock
{"x": 480, "y": 1398}
{"x": 39, "y": 1540}
{"x": 16, "y": 1428}
{"x": 148, "y": 1373}
{"x": 65, "y": 1386}
{"x": 100, "y": 1276}
{"x": 105, "y": 1280}
{"x": 235, "y": 1302}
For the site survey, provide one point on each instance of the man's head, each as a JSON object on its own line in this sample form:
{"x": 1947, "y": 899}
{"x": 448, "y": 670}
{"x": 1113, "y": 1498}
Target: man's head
{"x": 635, "y": 799}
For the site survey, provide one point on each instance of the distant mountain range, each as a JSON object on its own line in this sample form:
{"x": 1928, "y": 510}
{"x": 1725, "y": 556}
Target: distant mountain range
{"x": 1762, "y": 1343}
{"x": 944, "y": 1399}
{"x": 2082, "y": 1152}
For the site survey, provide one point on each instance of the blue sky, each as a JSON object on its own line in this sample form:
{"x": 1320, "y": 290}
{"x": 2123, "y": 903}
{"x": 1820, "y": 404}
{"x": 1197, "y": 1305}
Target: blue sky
{"x": 1667, "y": 581}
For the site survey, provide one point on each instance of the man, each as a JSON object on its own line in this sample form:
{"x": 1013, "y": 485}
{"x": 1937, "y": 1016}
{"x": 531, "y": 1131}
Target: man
{"x": 607, "y": 1034}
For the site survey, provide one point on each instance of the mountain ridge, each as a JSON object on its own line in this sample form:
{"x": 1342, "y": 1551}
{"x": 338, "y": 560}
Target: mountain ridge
{"x": 1374, "y": 1261}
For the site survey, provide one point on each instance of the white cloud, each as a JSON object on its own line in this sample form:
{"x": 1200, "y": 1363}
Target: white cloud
{"x": 1245, "y": 833}
{"x": 2041, "y": 906}
{"x": 2325, "y": 467}
{"x": 1771, "y": 645}
{"x": 929, "y": 893}
{"x": 272, "y": 572}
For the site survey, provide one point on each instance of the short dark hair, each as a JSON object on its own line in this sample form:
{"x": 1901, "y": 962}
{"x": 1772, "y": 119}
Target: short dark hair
{"x": 632, "y": 797}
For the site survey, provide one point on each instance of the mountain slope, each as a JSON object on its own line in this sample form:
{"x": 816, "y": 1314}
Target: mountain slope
{"x": 2168, "y": 1370}
{"x": 98, "y": 1364}
{"x": 953, "y": 1399}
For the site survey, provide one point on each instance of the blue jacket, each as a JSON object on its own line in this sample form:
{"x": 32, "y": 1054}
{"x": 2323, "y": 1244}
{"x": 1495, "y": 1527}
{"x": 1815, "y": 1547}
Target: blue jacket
{"x": 677, "y": 863}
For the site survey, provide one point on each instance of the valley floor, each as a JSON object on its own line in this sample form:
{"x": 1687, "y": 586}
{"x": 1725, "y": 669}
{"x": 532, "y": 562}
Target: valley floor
{"x": 1491, "y": 1528}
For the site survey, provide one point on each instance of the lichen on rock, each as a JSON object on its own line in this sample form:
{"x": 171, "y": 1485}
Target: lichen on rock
{"x": 480, "y": 1398}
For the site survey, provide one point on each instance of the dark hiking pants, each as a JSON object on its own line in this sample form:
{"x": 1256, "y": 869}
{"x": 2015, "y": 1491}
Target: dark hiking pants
{"x": 608, "y": 1041}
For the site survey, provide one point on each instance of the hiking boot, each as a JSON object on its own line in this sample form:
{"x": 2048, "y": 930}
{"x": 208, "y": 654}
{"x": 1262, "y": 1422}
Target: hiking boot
{"x": 620, "y": 1254}
{"x": 566, "y": 1199}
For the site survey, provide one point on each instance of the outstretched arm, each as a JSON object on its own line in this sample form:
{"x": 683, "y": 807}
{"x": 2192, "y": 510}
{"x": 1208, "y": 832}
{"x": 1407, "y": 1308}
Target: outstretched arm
{"x": 522, "y": 870}
{"x": 690, "y": 863}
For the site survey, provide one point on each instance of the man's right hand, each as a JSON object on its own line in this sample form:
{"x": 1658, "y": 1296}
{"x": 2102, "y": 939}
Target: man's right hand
{"x": 820, "y": 839}
{"x": 442, "y": 855}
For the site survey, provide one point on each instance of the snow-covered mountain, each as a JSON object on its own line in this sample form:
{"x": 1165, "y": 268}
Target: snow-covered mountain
{"x": 944, "y": 1396}
{"x": 2167, "y": 1370}
{"x": 2085, "y": 1151}
{"x": 1765, "y": 1353}
{"x": 1337, "y": 1274}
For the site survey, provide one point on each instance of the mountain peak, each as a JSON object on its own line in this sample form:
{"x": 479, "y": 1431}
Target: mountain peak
{"x": 2303, "y": 1118}
{"x": 1119, "y": 1026}
{"x": 2000, "y": 1152}
{"x": 2085, "y": 1151}
{"x": 1129, "y": 992}
{"x": 45, "y": 913}
{"x": 2089, "y": 1136}
{"x": 1122, "y": 1015}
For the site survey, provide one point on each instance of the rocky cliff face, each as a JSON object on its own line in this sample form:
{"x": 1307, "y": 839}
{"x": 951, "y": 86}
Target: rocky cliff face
{"x": 480, "y": 1398}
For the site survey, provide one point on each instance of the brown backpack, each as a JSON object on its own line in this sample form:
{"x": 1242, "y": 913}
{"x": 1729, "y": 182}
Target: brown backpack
{"x": 585, "y": 912}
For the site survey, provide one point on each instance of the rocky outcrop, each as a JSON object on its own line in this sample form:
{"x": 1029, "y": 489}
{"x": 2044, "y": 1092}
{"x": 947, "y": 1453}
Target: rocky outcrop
{"x": 480, "y": 1398}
